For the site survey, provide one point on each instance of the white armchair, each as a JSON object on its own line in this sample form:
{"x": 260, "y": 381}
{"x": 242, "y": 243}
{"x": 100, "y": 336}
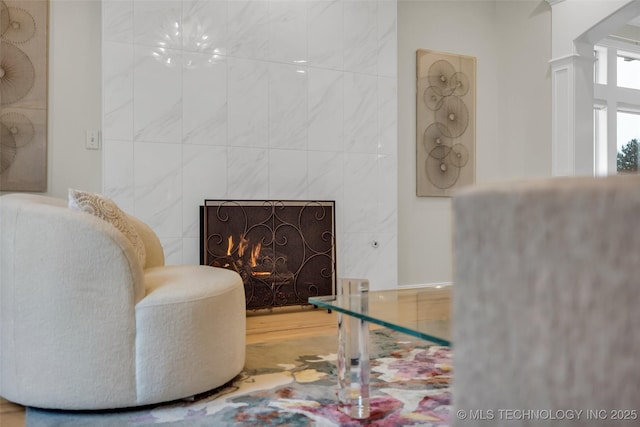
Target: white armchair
{"x": 84, "y": 325}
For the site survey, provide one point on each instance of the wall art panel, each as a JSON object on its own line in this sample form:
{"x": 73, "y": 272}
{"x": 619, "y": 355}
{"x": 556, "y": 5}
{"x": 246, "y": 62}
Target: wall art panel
{"x": 445, "y": 122}
{"x": 23, "y": 95}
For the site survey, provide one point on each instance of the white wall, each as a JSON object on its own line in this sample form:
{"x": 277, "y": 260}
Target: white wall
{"x": 74, "y": 96}
{"x": 291, "y": 100}
{"x": 424, "y": 223}
{"x": 511, "y": 41}
{"x": 75, "y": 102}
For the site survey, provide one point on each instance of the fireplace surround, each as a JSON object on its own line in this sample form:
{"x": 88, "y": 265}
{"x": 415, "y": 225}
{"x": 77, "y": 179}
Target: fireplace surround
{"x": 285, "y": 251}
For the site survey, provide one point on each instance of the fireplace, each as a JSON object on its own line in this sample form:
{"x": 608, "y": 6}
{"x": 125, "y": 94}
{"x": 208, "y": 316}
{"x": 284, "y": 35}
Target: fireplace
{"x": 284, "y": 251}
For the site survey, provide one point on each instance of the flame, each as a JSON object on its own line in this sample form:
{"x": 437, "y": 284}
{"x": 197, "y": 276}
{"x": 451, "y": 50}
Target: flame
{"x": 242, "y": 246}
{"x": 230, "y": 246}
{"x": 254, "y": 254}
{"x": 260, "y": 273}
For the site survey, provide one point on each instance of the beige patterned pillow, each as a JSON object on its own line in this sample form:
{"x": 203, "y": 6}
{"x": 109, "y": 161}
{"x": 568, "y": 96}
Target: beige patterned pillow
{"x": 107, "y": 210}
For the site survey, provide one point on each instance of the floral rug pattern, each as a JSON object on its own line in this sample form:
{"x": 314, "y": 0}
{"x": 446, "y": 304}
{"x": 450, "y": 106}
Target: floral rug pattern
{"x": 294, "y": 384}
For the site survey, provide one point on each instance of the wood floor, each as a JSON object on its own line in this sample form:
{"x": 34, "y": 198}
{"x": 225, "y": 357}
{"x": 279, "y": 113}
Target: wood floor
{"x": 261, "y": 327}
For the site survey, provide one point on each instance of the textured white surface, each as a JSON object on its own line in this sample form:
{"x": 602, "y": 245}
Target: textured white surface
{"x": 546, "y": 298}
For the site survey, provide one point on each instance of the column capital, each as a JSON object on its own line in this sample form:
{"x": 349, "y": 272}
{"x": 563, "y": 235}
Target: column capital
{"x": 563, "y": 61}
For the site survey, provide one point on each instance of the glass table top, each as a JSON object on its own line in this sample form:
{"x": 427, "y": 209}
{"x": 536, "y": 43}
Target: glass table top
{"x": 423, "y": 312}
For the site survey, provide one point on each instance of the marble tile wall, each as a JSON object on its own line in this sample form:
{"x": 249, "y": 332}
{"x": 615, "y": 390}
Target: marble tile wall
{"x": 259, "y": 99}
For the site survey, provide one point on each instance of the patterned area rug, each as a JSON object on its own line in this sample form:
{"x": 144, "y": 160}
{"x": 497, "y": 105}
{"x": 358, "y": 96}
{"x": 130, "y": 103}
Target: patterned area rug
{"x": 293, "y": 383}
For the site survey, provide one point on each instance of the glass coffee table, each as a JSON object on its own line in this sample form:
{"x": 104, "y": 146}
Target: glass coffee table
{"x": 423, "y": 312}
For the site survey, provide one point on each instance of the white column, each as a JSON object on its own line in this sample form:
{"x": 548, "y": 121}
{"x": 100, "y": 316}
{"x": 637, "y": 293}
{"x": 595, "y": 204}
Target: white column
{"x": 572, "y": 114}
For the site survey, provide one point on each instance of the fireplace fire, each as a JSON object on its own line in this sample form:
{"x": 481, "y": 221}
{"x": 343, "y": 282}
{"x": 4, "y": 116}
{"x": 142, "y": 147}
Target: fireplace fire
{"x": 283, "y": 250}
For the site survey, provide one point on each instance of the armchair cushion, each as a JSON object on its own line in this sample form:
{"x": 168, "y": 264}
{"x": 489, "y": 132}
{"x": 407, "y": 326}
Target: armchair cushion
{"x": 106, "y": 209}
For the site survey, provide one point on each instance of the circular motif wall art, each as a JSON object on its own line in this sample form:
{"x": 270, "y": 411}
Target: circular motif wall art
{"x": 445, "y": 122}
{"x": 23, "y": 95}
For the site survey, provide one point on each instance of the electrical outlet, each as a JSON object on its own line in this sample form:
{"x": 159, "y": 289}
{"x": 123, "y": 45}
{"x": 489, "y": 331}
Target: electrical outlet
{"x": 93, "y": 140}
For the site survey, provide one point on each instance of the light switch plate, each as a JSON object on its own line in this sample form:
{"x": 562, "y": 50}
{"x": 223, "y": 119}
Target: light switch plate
{"x": 93, "y": 140}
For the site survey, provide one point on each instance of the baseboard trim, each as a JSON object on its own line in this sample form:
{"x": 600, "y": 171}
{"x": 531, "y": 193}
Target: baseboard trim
{"x": 425, "y": 285}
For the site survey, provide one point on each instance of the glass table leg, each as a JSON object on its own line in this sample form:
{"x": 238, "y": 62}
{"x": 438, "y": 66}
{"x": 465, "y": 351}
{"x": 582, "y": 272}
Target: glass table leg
{"x": 353, "y": 352}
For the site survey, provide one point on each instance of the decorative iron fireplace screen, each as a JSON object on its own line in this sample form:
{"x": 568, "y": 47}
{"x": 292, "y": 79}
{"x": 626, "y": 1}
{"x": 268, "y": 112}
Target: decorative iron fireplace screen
{"x": 283, "y": 250}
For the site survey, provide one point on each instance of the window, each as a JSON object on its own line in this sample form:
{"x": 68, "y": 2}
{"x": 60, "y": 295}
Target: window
{"x": 628, "y": 129}
{"x": 628, "y": 66}
{"x": 600, "y": 135}
{"x": 616, "y": 108}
